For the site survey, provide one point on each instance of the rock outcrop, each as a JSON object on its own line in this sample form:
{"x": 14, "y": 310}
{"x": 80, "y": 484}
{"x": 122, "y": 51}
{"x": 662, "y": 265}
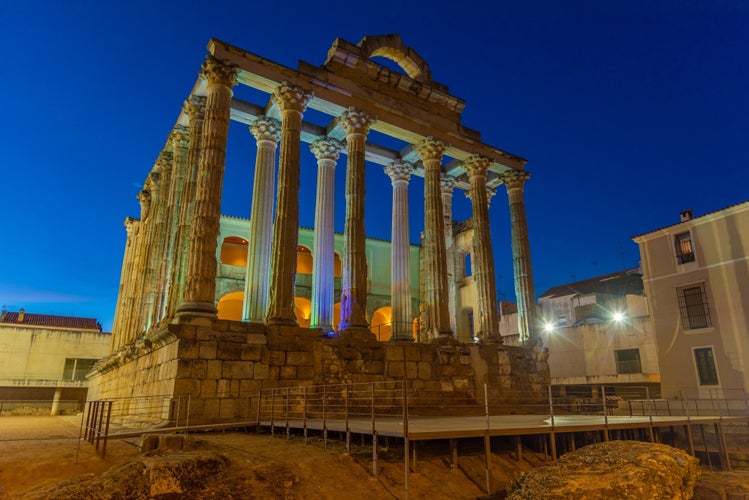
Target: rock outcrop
{"x": 615, "y": 469}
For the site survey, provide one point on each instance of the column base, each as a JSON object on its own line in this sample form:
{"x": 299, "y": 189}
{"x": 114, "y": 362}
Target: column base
{"x": 204, "y": 309}
{"x": 402, "y": 338}
{"x": 281, "y": 322}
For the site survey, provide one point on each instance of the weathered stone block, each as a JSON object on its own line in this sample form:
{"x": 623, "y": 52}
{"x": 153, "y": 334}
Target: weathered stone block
{"x": 412, "y": 353}
{"x": 432, "y": 385}
{"x": 305, "y": 373}
{"x": 252, "y": 352}
{"x": 260, "y": 371}
{"x": 183, "y": 369}
{"x": 256, "y": 338}
{"x": 372, "y": 353}
{"x": 425, "y": 370}
{"x": 223, "y": 390}
{"x": 412, "y": 369}
{"x": 239, "y": 338}
{"x": 394, "y": 353}
{"x": 205, "y": 333}
{"x": 347, "y": 352}
{"x": 198, "y": 368}
{"x": 288, "y": 372}
{"x": 226, "y": 408}
{"x": 214, "y": 368}
{"x": 396, "y": 369}
{"x": 277, "y": 358}
{"x": 298, "y": 358}
{"x": 446, "y": 386}
{"x": 237, "y": 369}
{"x": 183, "y": 387}
{"x": 250, "y": 387}
{"x": 207, "y": 350}
{"x": 188, "y": 349}
{"x": 208, "y": 388}
{"x": 373, "y": 367}
{"x": 461, "y": 384}
{"x": 229, "y": 351}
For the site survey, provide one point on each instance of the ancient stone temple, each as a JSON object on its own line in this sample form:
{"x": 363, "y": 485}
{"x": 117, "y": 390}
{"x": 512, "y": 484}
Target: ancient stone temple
{"x": 168, "y": 336}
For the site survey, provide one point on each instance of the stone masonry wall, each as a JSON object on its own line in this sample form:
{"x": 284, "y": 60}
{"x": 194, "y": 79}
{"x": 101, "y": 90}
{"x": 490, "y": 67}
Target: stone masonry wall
{"x": 221, "y": 364}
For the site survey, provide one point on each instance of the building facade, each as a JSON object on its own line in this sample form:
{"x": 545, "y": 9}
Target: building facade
{"x": 599, "y": 333}
{"x": 696, "y": 278}
{"x": 46, "y": 358}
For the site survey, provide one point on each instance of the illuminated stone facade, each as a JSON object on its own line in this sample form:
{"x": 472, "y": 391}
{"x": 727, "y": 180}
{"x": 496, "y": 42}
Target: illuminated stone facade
{"x": 171, "y": 295}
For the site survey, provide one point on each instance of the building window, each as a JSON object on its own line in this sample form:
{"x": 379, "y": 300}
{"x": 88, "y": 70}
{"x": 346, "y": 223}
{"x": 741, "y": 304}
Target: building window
{"x": 77, "y": 368}
{"x": 693, "y": 307}
{"x": 705, "y": 362}
{"x": 628, "y": 361}
{"x": 684, "y": 248}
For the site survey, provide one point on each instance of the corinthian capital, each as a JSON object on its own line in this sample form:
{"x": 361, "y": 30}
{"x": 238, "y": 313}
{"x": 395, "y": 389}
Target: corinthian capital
{"x": 180, "y": 136}
{"x": 291, "y": 97}
{"x": 194, "y": 106}
{"x": 326, "y": 148}
{"x": 163, "y": 162}
{"x": 430, "y": 148}
{"x": 355, "y": 121}
{"x": 515, "y": 179}
{"x": 216, "y": 71}
{"x": 447, "y": 183}
{"x": 476, "y": 165}
{"x": 400, "y": 170}
{"x": 265, "y": 129}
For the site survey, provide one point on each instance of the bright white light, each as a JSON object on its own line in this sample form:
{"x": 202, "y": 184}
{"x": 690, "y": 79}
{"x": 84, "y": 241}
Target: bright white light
{"x": 618, "y": 317}
{"x": 548, "y": 327}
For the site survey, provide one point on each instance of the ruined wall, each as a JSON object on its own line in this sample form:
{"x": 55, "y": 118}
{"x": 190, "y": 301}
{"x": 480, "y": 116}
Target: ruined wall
{"x": 221, "y": 365}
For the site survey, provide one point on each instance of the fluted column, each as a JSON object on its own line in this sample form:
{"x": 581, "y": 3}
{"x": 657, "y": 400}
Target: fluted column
{"x": 354, "y": 279}
{"x": 483, "y": 273}
{"x": 400, "y": 273}
{"x": 446, "y": 185}
{"x": 123, "y": 297}
{"x": 327, "y": 151}
{"x": 200, "y": 280}
{"x": 436, "y": 313}
{"x": 194, "y": 108}
{"x": 267, "y": 133}
{"x": 514, "y": 181}
{"x": 292, "y": 102}
{"x": 140, "y": 261}
{"x": 180, "y": 140}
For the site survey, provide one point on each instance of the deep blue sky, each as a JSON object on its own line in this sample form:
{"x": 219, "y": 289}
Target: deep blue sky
{"x": 628, "y": 112}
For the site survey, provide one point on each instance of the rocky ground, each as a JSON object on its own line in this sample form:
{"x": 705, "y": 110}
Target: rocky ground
{"x": 40, "y": 458}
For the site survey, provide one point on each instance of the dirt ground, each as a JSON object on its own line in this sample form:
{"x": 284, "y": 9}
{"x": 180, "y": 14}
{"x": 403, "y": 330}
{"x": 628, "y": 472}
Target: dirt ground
{"x": 40, "y": 451}
{"x": 42, "y": 458}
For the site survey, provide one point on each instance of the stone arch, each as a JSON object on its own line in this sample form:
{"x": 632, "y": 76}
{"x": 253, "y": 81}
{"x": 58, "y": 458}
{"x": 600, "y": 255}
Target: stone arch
{"x": 381, "y": 323}
{"x": 392, "y": 47}
{"x": 234, "y": 251}
{"x": 230, "y": 306}
{"x": 303, "y": 260}
{"x": 302, "y": 309}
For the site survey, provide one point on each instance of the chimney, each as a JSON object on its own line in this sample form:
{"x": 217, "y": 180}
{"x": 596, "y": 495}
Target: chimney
{"x": 686, "y": 215}
{"x": 21, "y": 314}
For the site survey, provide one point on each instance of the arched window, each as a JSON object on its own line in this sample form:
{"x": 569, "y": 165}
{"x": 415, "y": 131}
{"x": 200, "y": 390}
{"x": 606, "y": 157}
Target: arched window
{"x": 382, "y": 323}
{"x": 230, "y": 306}
{"x": 303, "y": 260}
{"x": 302, "y": 309}
{"x": 234, "y": 251}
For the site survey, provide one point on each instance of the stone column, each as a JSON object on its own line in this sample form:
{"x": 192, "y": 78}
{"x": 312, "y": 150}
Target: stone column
{"x": 400, "y": 273}
{"x": 354, "y": 279}
{"x": 292, "y": 101}
{"x": 447, "y": 184}
{"x": 124, "y": 298}
{"x": 327, "y": 151}
{"x": 200, "y": 277}
{"x": 157, "y": 236}
{"x": 514, "y": 181}
{"x": 483, "y": 273}
{"x": 267, "y": 133}
{"x": 194, "y": 107}
{"x": 436, "y": 313}
{"x": 140, "y": 261}
{"x": 180, "y": 140}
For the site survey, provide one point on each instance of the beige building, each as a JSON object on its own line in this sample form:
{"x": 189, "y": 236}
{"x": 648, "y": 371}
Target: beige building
{"x": 46, "y": 358}
{"x": 696, "y": 277}
{"x": 598, "y": 333}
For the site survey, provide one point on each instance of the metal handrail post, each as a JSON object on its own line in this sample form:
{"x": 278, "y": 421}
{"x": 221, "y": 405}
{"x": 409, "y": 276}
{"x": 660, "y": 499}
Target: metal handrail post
{"x": 650, "y": 415}
{"x": 552, "y": 434}
{"x": 324, "y": 417}
{"x": 605, "y": 414}
{"x": 106, "y": 430}
{"x": 374, "y": 432}
{"x": 259, "y": 402}
{"x": 304, "y": 416}
{"x": 346, "y": 418}
{"x": 286, "y": 411}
